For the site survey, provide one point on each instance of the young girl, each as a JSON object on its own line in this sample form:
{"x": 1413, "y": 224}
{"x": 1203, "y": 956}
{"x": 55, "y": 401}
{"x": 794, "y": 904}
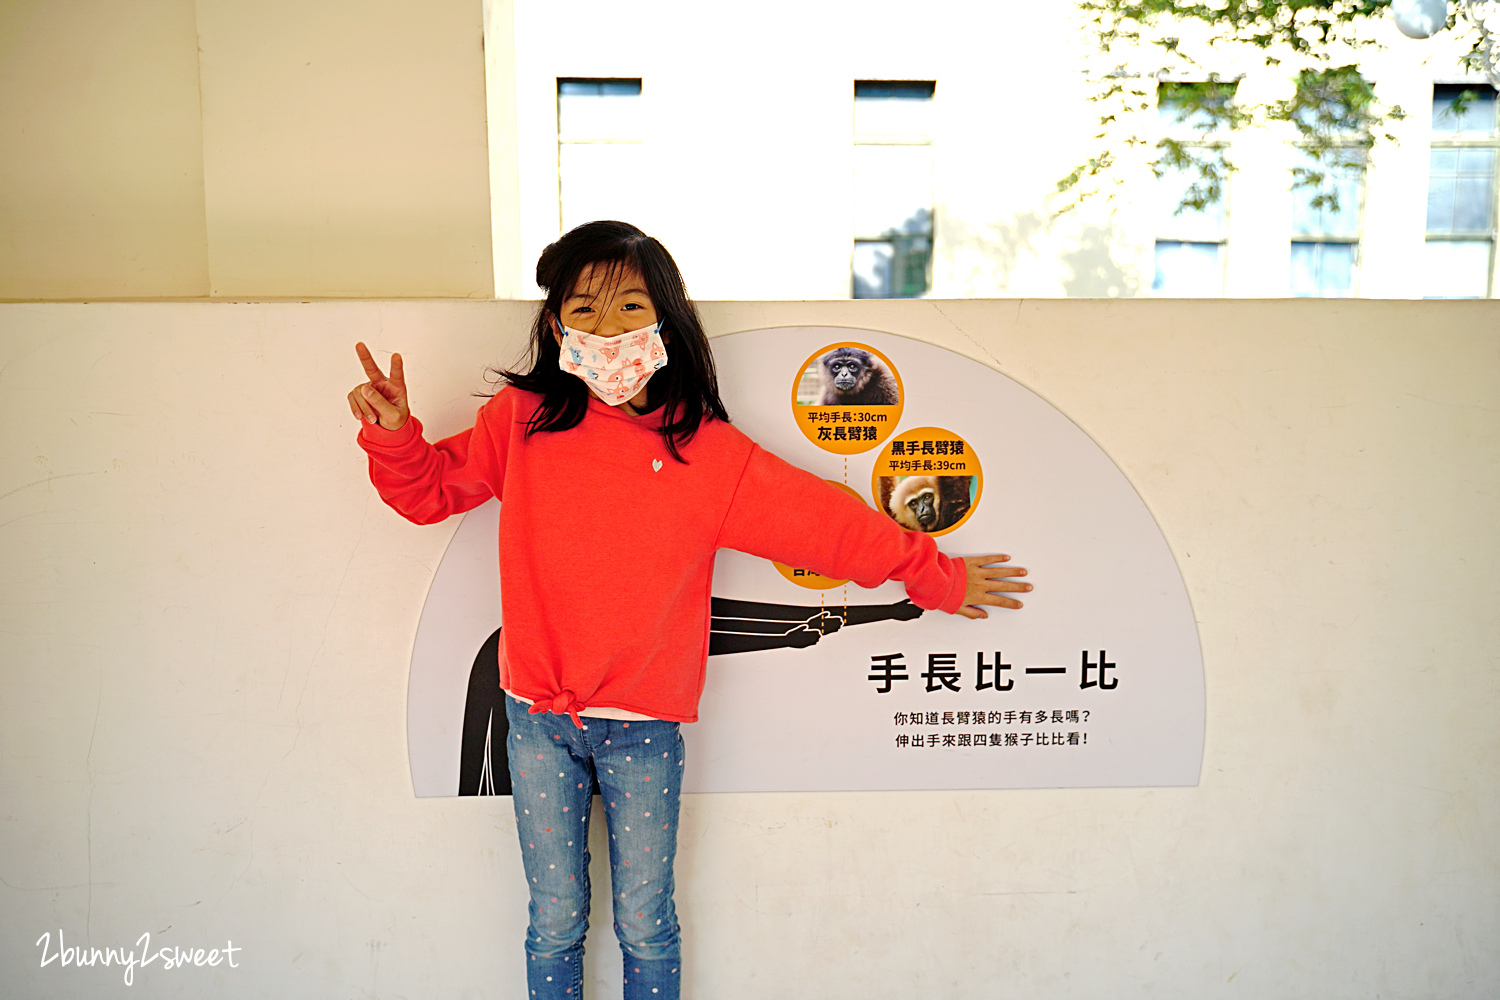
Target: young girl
{"x": 619, "y": 477}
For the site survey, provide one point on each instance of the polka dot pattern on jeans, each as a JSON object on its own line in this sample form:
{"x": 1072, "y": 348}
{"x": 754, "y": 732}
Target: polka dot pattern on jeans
{"x": 641, "y": 830}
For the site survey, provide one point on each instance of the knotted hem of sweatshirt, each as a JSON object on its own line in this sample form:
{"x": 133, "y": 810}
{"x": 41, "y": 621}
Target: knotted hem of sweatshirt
{"x": 563, "y": 703}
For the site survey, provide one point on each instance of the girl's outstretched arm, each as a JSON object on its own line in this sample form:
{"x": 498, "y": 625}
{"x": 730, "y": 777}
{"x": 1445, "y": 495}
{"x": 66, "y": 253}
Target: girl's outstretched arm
{"x": 989, "y": 582}
{"x": 784, "y": 513}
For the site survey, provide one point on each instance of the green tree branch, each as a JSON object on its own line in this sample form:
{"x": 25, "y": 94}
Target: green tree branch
{"x": 1334, "y": 110}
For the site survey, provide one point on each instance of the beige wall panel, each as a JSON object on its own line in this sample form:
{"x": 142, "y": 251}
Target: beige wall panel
{"x": 101, "y": 169}
{"x": 345, "y": 148}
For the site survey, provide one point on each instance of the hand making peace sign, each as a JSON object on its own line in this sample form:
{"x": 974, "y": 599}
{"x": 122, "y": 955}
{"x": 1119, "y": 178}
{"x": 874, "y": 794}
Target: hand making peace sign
{"x": 381, "y": 399}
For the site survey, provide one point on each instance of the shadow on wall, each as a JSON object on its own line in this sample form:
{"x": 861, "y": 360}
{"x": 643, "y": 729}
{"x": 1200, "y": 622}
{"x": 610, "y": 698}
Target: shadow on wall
{"x": 993, "y": 260}
{"x": 1093, "y": 272}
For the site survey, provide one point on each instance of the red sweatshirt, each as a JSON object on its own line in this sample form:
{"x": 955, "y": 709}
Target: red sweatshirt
{"x": 607, "y": 542}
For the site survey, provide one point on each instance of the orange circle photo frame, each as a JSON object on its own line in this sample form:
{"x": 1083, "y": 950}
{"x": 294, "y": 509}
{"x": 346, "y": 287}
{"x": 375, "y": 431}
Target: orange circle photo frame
{"x": 927, "y": 479}
{"x": 857, "y": 427}
{"x": 806, "y": 577}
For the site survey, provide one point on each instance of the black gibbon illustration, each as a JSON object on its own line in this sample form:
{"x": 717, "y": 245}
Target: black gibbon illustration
{"x": 483, "y": 768}
{"x": 483, "y": 764}
{"x": 926, "y": 503}
{"x": 736, "y": 627}
{"x": 854, "y": 377}
{"x": 747, "y": 626}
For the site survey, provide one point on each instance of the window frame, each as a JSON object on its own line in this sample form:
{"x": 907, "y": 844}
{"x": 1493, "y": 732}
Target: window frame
{"x": 589, "y": 139}
{"x": 1355, "y": 241}
{"x": 1459, "y": 141}
{"x": 1182, "y": 130}
{"x": 914, "y": 90}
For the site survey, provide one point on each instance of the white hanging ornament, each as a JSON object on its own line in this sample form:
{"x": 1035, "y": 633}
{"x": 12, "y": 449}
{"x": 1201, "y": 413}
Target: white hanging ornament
{"x": 1425, "y": 18}
{"x": 1420, "y": 18}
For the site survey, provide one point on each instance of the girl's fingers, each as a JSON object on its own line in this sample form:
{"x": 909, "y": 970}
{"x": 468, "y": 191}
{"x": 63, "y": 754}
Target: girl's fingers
{"x": 995, "y": 591}
{"x": 391, "y": 393}
{"x": 381, "y": 406}
{"x": 380, "y": 400}
{"x": 360, "y": 408}
{"x": 372, "y": 370}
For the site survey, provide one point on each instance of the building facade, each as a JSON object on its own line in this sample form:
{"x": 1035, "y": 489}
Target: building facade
{"x": 809, "y": 151}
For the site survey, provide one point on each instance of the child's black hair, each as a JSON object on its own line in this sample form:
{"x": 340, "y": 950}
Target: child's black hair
{"x": 686, "y": 391}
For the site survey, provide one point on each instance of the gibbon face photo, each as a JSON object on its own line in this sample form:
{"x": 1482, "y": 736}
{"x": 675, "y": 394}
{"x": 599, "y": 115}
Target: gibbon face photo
{"x": 926, "y": 503}
{"x": 848, "y": 376}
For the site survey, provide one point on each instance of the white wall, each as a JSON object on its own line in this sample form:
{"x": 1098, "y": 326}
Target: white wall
{"x": 206, "y": 614}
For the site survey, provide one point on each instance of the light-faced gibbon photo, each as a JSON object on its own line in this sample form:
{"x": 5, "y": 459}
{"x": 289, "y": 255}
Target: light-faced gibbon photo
{"x": 926, "y": 503}
{"x": 850, "y": 376}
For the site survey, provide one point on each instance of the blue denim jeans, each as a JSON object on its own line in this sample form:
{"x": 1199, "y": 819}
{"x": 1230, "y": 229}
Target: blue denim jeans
{"x": 639, "y": 766}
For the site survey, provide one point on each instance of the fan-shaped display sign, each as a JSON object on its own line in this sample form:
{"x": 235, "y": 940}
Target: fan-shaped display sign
{"x": 817, "y": 684}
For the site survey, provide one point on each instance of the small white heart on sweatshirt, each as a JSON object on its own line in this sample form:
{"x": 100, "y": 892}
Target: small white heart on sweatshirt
{"x": 656, "y": 465}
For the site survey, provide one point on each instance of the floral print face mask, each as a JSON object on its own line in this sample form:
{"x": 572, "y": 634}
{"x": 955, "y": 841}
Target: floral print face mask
{"x": 615, "y": 368}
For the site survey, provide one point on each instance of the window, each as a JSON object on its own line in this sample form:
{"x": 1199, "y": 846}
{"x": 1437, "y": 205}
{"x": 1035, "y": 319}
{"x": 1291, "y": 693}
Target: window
{"x": 1327, "y": 188}
{"x": 1190, "y": 241}
{"x": 892, "y": 188}
{"x": 599, "y": 155}
{"x": 1191, "y": 191}
{"x": 1326, "y": 224}
{"x": 1458, "y": 257}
